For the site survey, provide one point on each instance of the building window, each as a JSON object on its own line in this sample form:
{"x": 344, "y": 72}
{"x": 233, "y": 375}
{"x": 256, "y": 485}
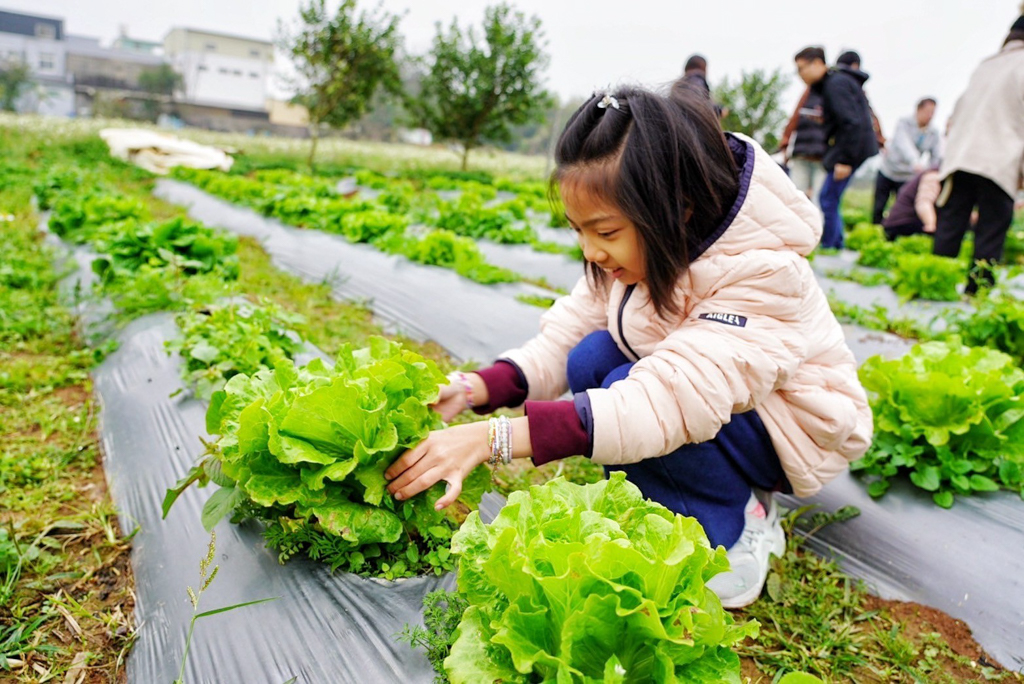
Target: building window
{"x": 253, "y": 74}
{"x": 254, "y": 53}
{"x": 211, "y": 47}
{"x": 46, "y": 31}
{"x": 237, "y": 72}
{"x": 223, "y": 70}
{"x": 46, "y": 60}
{"x": 201, "y": 67}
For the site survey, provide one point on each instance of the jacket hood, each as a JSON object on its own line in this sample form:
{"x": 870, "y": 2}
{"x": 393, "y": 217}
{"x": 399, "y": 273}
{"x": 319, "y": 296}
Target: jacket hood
{"x": 860, "y": 76}
{"x": 769, "y": 211}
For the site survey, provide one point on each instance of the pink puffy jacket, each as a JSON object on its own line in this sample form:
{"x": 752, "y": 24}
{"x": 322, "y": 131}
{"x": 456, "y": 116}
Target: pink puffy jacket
{"x": 756, "y": 333}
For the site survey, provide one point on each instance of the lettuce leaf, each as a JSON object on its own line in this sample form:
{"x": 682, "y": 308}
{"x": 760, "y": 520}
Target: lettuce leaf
{"x": 949, "y": 415}
{"x": 590, "y": 583}
{"x": 305, "y": 449}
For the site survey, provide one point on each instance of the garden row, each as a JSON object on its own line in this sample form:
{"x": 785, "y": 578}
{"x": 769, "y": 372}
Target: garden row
{"x": 405, "y": 218}
{"x": 301, "y": 448}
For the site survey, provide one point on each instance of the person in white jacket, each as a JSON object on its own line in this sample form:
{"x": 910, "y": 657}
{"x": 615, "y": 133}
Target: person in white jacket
{"x": 913, "y": 147}
{"x": 984, "y": 163}
{"x": 701, "y": 352}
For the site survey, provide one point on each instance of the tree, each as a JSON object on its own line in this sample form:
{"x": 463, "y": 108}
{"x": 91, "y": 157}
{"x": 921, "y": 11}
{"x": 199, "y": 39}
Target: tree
{"x": 753, "y": 105}
{"x": 14, "y": 78}
{"x": 162, "y": 80}
{"x": 341, "y": 61}
{"x": 475, "y": 91}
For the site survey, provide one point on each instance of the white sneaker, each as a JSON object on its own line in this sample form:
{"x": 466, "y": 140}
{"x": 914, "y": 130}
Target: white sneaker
{"x": 749, "y": 557}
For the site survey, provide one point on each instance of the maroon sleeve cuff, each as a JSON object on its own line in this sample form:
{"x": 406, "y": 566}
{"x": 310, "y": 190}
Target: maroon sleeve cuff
{"x": 506, "y": 386}
{"x": 556, "y": 431}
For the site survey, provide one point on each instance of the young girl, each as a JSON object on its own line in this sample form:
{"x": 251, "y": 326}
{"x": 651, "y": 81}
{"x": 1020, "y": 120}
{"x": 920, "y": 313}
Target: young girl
{"x": 701, "y": 353}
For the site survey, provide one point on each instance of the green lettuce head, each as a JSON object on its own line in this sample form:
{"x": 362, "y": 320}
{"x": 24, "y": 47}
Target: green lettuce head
{"x": 590, "y": 583}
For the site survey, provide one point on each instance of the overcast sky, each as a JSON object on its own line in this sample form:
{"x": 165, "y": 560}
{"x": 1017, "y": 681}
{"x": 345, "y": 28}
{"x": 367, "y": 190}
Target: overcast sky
{"x": 911, "y": 48}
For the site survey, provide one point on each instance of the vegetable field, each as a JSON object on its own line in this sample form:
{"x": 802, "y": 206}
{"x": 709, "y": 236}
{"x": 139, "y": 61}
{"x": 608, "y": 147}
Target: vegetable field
{"x": 246, "y": 352}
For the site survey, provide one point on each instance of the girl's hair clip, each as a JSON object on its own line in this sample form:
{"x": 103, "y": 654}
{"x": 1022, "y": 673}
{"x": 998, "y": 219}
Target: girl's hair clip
{"x": 608, "y": 101}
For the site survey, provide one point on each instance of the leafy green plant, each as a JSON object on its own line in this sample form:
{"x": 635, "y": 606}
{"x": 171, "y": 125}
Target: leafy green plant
{"x": 75, "y": 216}
{"x": 864, "y": 233}
{"x": 926, "y": 276}
{"x": 878, "y": 254}
{"x": 590, "y": 583}
{"x": 191, "y": 246}
{"x": 997, "y": 321}
{"x": 59, "y": 179}
{"x": 861, "y": 276}
{"x": 206, "y": 577}
{"x": 366, "y": 226}
{"x": 535, "y": 300}
{"x": 950, "y": 415}
{"x": 219, "y": 342}
{"x": 445, "y": 248}
{"x": 305, "y": 449}
{"x": 442, "y": 613}
{"x": 854, "y": 216}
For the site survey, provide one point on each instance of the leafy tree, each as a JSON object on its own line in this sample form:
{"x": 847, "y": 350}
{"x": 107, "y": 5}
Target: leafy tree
{"x": 14, "y": 78}
{"x": 476, "y": 90}
{"x": 753, "y": 105}
{"x": 341, "y": 61}
{"x": 161, "y": 80}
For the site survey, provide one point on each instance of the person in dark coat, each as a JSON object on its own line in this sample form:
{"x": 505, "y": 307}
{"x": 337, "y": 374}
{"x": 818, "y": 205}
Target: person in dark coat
{"x": 850, "y": 60}
{"x": 803, "y": 144}
{"x": 851, "y": 136}
{"x": 695, "y": 73}
{"x": 914, "y": 209}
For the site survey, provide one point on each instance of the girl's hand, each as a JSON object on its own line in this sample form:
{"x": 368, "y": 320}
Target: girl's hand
{"x": 449, "y": 455}
{"x": 452, "y": 401}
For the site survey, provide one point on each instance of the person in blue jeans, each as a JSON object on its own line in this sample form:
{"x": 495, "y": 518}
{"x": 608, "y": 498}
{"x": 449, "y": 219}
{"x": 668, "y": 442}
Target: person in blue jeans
{"x": 830, "y": 201}
{"x": 710, "y": 480}
{"x": 849, "y": 129}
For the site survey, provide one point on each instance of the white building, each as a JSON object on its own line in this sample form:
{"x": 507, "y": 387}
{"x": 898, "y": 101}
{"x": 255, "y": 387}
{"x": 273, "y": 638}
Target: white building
{"x": 39, "y": 42}
{"x": 220, "y": 70}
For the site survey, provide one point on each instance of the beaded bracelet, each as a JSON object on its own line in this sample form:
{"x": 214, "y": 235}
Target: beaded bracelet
{"x": 499, "y": 440}
{"x": 467, "y": 386}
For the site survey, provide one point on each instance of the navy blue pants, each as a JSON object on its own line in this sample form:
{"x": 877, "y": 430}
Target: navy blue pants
{"x": 830, "y": 198}
{"x": 710, "y": 481}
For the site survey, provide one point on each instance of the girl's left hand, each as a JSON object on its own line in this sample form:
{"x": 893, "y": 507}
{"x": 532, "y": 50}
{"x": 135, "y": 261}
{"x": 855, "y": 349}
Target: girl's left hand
{"x": 449, "y": 455}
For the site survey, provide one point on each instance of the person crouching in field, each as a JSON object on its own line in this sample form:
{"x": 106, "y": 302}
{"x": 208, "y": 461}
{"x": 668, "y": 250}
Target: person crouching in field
{"x": 701, "y": 353}
{"x": 914, "y": 209}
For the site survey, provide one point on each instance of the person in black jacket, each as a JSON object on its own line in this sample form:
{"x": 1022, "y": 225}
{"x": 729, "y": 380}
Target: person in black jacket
{"x": 848, "y": 128}
{"x": 695, "y": 72}
{"x": 803, "y": 145}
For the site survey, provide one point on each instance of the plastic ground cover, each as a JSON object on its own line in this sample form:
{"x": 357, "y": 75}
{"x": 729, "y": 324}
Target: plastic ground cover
{"x": 968, "y": 561}
{"x": 323, "y": 627}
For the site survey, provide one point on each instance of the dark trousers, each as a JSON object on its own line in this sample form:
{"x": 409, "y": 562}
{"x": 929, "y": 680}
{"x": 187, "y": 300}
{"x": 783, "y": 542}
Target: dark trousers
{"x": 829, "y": 199}
{"x": 885, "y": 188}
{"x": 995, "y": 214}
{"x": 710, "y": 481}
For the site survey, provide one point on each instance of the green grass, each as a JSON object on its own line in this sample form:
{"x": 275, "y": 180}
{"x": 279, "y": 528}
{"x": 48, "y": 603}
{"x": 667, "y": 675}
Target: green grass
{"x": 66, "y": 597}
{"x": 816, "y": 619}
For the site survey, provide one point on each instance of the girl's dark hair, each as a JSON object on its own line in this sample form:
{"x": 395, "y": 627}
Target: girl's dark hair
{"x": 1014, "y": 35}
{"x": 664, "y": 163}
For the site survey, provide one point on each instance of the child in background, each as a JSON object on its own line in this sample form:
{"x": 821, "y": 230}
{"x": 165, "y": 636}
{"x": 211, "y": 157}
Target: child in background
{"x": 702, "y": 355}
